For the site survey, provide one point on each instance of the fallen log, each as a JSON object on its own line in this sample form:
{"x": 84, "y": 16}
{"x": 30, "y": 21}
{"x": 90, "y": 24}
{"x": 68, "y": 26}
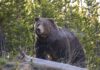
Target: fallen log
{"x": 31, "y": 63}
{"x": 41, "y": 64}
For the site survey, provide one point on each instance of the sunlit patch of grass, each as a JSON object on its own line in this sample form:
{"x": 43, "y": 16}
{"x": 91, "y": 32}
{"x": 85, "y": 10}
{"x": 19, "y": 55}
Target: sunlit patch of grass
{"x": 2, "y": 62}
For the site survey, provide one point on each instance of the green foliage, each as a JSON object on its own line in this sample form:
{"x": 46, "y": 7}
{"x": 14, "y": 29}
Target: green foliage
{"x": 17, "y": 19}
{"x": 2, "y": 62}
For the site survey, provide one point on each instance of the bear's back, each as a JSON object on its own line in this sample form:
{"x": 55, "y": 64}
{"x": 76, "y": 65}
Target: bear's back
{"x": 64, "y": 32}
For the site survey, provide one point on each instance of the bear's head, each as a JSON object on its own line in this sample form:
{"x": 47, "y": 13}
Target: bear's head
{"x": 44, "y": 26}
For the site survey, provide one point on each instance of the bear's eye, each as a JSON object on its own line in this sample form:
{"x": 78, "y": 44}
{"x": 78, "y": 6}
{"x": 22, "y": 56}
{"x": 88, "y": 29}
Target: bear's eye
{"x": 37, "y": 24}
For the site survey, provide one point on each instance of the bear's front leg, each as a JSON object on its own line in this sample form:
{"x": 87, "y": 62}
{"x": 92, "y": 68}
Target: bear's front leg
{"x": 40, "y": 51}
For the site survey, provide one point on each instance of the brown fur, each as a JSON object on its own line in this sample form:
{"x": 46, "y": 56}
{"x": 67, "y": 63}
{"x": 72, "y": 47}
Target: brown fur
{"x": 59, "y": 43}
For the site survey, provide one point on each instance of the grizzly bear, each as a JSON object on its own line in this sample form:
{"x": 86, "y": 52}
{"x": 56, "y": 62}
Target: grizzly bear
{"x": 57, "y": 44}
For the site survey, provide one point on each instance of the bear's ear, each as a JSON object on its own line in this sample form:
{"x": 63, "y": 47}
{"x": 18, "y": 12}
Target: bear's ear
{"x": 36, "y": 19}
{"x": 51, "y": 20}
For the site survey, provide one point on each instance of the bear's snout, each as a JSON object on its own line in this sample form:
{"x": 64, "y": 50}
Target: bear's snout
{"x": 40, "y": 29}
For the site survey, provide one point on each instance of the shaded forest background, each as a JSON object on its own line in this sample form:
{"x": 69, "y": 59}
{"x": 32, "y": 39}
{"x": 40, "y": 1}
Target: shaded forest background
{"x": 17, "y": 25}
